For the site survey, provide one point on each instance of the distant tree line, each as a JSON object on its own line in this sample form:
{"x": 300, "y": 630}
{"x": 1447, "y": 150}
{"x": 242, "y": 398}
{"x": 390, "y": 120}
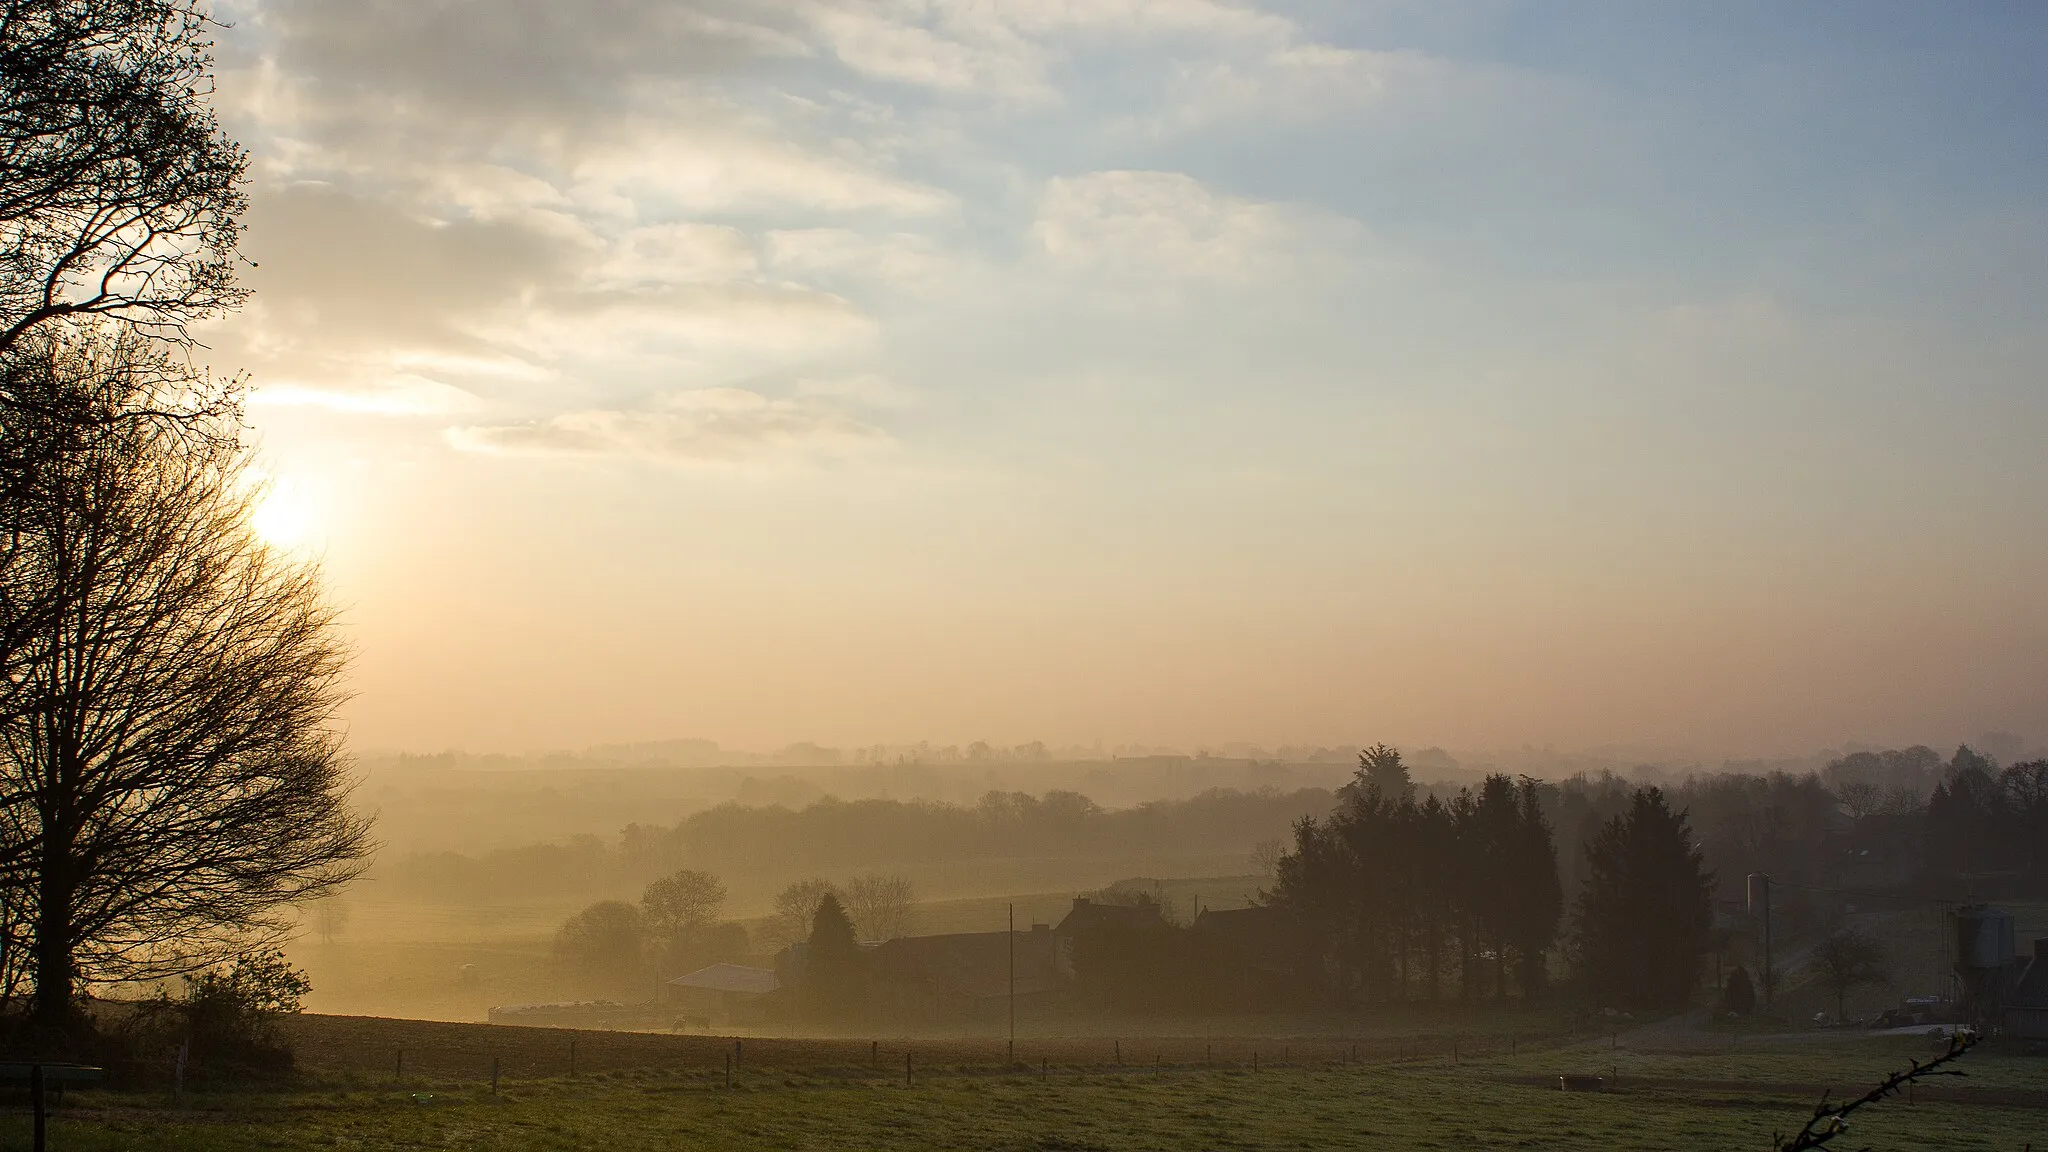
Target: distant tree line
{"x": 834, "y": 836}
{"x": 1987, "y": 822}
{"x": 676, "y": 927}
{"x": 1401, "y": 897}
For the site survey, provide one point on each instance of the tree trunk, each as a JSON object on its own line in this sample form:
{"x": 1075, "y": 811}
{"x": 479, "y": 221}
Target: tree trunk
{"x": 53, "y": 1005}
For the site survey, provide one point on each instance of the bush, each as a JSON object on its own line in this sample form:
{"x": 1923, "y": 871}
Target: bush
{"x": 226, "y": 1021}
{"x": 1739, "y": 995}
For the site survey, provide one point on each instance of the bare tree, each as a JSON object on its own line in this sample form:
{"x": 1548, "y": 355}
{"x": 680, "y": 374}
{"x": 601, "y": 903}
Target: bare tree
{"x": 682, "y": 904}
{"x": 1846, "y": 959}
{"x": 880, "y": 905}
{"x": 120, "y": 196}
{"x": 330, "y": 915}
{"x": 1859, "y": 798}
{"x": 1266, "y": 856}
{"x": 795, "y": 907}
{"x": 171, "y": 779}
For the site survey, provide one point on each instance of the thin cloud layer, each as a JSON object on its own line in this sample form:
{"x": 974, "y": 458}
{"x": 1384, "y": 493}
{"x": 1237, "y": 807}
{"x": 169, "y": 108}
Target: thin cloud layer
{"x": 711, "y": 425}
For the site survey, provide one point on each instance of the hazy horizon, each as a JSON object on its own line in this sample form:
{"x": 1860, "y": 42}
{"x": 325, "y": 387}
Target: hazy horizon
{"x": 1164, "y": 373}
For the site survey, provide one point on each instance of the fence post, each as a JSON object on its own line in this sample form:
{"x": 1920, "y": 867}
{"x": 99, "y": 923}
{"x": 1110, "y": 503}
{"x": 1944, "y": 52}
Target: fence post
{"x": 494, "y": 1075}
{"x": 1255, "y": 1059}
{"x": 874, "y": 1052}
{"x": 907, "y": 1075}
{"x": 35, "y": 1089}
{"x": 397, "y": 1068}
{"x": 1119, "y": 1053}
{"x": 728, "y": 1069}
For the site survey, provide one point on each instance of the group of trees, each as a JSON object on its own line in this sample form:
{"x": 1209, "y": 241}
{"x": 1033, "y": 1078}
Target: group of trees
{"x": 674, "y": 929}
{"x": 1987, "y": 821}
{"x": 170, "y": 776}
{"x": 877, "y": 905}
{"x": 1400, "y": 896}
{"x": 833, "y": 834}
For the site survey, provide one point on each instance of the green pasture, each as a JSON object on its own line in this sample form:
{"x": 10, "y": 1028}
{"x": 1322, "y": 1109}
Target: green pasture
{"x": 1706, "y": 1100}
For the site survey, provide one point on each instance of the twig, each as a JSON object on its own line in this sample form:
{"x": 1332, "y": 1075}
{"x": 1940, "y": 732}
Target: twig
{"x": 1831, "y": 1120}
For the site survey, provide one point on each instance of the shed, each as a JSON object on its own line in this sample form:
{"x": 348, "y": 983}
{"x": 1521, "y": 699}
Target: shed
{"x": 723, "y": 991}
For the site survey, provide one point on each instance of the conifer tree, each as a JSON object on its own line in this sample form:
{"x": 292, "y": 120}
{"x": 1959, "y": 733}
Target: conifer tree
{"x": 1646, "y": 913}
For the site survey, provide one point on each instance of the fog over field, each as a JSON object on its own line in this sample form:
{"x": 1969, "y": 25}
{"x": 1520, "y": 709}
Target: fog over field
{"x": 1433, "y": 552}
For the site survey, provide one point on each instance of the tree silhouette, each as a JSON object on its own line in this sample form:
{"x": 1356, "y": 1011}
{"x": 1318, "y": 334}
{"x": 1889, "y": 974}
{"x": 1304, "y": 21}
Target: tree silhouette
{"x": 795, "y": 909}
{"x": 1846, "y": 959}
{"x": 171, "y": 778}
{"x": 832, "y": 963}
{"x": 606, "y": 941}
{"x": 1388, "y": 891}
{"x": 682, "y": 904}
{"x": 1645, "y": 915}
{"x": 1739, "y": 994}
{"x": 880, "y": 905}
{"x": 120, "y": 196}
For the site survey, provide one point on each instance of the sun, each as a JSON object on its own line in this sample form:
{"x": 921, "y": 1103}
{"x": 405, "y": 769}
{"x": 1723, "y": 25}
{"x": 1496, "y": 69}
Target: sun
{"x": 283, "y": 519}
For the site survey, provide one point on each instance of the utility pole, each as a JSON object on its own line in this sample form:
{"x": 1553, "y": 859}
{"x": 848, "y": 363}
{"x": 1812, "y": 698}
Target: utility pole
{"x": 1013, "y": 983}
{"x": 1760, "y": 907}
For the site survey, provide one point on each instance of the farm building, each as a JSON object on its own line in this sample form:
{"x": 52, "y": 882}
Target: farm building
{"x": 723, "y": 993}
{"x": 2026, "y": 1006}
{"x": 1260, "y": 952}
{"x": 963, "y": 975}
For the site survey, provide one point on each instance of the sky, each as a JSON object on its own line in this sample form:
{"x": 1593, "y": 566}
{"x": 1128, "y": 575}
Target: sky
{"x": 1176, "y": 372}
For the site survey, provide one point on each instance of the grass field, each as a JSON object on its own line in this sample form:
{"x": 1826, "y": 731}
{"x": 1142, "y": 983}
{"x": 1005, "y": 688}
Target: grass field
{"x": 633, "y": 1091}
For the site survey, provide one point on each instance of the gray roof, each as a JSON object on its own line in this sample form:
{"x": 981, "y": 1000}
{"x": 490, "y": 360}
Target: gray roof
{"x": 730, "y": 978}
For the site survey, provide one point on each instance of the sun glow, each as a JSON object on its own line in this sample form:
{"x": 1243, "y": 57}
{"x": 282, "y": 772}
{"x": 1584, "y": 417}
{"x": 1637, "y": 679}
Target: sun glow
{"x": 283, "y": 518}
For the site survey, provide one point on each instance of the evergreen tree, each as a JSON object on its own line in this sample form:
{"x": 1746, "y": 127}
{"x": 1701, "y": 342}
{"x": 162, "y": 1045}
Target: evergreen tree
{"x": 1646, "y": 913}
{"x": 1538, "y": 903}
{"x": 833, "y": 976}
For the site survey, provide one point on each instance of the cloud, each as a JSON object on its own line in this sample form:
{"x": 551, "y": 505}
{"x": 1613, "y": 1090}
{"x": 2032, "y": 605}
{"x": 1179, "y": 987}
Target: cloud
{"x": 710, "y": 425}
{"x": 701, "y": 158}
{"x": 401, "y": 395}
{"x": 1011, "y": 49}
{"x": 832, "y": 255}
{"x": 1168, "y": 228}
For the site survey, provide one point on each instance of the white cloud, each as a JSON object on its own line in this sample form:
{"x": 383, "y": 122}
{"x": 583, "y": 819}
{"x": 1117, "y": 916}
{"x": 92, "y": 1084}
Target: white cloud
{"x": 677, "y": 253}
{"x": 711, "y": 425}
{"x": 645, "y": 165}
{"x": 866, "y": 388}
{"x": 1009, "y": 49}
{"x": 1167, "y": 227}
{"x": 898, "y": 259}
{"x": 402, "y": 395}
